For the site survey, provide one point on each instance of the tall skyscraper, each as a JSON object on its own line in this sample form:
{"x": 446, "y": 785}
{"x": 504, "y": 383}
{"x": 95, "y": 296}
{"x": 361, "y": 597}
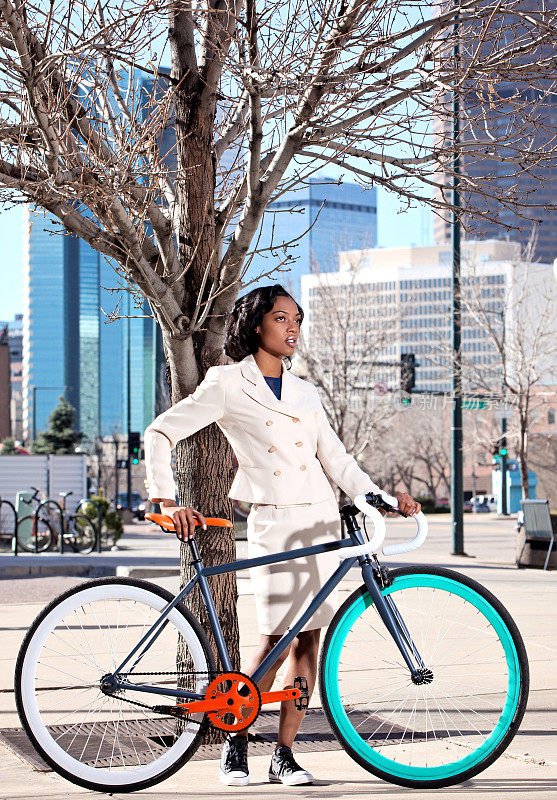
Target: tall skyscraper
{"x": 312, "y": 225}
{"x": 69, "y": 346}
{"x": 497, "y": 114}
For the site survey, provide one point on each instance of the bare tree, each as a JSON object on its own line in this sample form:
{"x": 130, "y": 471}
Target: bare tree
{"x": 523, "y": 337}
{"x": 416, "y": 445}
{"x": 339, "y": 351}
{"x": 259, "y": 97}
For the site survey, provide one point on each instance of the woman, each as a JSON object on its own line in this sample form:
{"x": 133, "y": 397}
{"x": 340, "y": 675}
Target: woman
{"x": 277, "y": 426}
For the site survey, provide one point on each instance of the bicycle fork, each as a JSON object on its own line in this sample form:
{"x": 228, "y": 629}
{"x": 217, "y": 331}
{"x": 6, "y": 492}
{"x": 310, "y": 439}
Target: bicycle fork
{"x": 394, "y": 623}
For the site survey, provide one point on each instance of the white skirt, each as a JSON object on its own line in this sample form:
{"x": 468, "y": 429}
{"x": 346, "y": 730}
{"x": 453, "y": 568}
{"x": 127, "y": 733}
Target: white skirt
{"x": 285, "y": 589}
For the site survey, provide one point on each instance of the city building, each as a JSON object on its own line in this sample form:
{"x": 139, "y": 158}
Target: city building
{"x": 5, "y": 422}
{"x": 71, "y": 348}
{"x": 14, "y": 334}
{"x": 409, "y": 291}
{"x": 520, "y": 114}
{"x": 412, "y": 286}
{"x": 307, "y": 229}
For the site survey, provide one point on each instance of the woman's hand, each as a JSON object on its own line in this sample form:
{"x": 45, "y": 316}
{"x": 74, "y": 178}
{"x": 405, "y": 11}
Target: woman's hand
{"x": 406, "y": 504}
{"x": 184, "y": 520}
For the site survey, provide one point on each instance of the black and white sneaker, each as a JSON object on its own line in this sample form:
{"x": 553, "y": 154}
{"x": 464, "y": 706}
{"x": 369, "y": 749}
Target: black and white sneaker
{"x": 233, "y": 768}
{"x": 285, "y": 769}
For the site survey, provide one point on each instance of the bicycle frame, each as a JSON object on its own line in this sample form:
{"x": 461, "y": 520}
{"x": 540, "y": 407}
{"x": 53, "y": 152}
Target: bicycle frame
{"x": 386, "y": 608}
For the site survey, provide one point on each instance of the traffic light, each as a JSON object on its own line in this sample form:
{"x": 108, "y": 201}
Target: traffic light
{"x": 498, "y": 451}
{"x": 407, "y": 372}
{"x": 134, "y": 444}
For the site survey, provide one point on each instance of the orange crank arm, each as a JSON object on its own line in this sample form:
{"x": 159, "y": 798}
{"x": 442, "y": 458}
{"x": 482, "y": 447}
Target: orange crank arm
{"x": 219, "y": 705}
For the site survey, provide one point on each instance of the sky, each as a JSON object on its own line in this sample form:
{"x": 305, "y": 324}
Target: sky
{"x": 395, "y": 229}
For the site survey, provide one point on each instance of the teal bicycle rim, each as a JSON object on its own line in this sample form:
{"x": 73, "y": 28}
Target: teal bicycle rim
{"x": 358, "y": 744}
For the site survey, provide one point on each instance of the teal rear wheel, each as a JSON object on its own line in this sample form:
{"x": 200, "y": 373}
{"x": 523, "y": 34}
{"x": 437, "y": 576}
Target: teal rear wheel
{"x": 473, "y": 696}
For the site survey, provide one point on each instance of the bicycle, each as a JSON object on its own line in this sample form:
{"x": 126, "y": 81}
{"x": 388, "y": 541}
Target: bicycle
{"x": 39, "y": 532}
{"x": 423, "y": 674}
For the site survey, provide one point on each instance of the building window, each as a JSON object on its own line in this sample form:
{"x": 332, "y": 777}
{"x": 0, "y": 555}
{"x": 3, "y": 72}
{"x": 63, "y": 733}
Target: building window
{"x": 551, "y": 416}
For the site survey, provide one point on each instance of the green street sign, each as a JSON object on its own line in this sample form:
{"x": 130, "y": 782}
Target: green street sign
{"x": 476, "y": 405}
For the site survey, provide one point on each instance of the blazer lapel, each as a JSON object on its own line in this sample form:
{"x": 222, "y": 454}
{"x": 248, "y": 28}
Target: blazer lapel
{"x": 257, "y": 388}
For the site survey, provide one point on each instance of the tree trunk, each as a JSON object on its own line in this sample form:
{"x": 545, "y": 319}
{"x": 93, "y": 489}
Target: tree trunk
{"x": 203, "y": 460}
{"x": 523, "y": 460}
{"x": 524, "y": 474}
{"x": 204, "y": 471}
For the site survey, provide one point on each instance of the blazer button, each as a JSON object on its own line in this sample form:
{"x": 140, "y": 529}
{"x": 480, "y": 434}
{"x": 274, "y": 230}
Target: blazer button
{"x": 299, "y": 444}
{"x": 277, "y": 472}
{"x": 295, "y": 419}
{"x": 269, "y": 422}
{"x": 303, "y": 466}
{"x": 271, "y": 449}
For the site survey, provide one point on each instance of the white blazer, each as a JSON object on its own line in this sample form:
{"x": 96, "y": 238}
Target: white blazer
{"x": 282, "y": 446}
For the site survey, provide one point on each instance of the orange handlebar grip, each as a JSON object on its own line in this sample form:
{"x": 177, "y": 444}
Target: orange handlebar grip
{"x": 166, "y": 522}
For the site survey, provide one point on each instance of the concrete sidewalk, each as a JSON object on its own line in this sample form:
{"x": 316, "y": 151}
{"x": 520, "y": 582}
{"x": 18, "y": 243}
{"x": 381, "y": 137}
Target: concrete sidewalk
{"x": 529, "y": 766}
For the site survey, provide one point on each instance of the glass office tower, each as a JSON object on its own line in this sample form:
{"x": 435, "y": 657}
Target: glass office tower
{"x": 318, "y": 221}
{"x": 69, "y": 346}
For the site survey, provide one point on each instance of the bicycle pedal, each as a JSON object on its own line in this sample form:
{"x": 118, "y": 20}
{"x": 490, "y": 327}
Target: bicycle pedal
{"x": 302, "y": 701}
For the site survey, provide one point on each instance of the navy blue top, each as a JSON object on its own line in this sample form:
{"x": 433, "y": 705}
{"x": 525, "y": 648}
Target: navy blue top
{"x": 275, "y": 384}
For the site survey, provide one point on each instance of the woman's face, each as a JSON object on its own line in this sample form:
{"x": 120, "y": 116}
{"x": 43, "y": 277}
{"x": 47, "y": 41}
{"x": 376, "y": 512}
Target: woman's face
{"x": 280, "y": 328}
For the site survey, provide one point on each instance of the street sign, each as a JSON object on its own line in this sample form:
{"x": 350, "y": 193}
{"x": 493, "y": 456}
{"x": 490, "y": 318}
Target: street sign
{"x": 122, "y": 463}
{"x": 474, "y": 404}
{"x": 381, "y": 388}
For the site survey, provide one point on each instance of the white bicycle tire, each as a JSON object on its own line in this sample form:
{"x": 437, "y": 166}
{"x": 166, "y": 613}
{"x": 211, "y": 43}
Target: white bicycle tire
{"x": 99, "y": 778}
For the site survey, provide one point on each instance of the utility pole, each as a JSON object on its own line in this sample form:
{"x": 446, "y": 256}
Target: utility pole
{"x": 457, "y": 494}
{"x": 129, "y": 417}
{"x": 116, "y": 470}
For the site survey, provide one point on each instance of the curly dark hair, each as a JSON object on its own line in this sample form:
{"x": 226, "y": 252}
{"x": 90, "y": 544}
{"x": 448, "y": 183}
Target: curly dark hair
{"x": 241, "y": 338}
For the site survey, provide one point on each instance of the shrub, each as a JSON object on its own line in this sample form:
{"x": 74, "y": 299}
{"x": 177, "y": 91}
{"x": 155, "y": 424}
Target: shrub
{"x": 111, "y": 522}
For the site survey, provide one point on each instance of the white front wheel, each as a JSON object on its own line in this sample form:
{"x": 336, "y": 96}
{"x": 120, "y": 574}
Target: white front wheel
{"x": 115, "y": 741}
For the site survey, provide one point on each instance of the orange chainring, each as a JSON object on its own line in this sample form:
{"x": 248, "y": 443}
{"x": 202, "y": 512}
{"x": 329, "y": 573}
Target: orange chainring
{"x": 244, "y": 707}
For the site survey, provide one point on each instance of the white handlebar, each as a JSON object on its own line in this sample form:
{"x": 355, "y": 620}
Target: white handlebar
{"x": 380, "y": 530}
{"x": 412, "y": 544}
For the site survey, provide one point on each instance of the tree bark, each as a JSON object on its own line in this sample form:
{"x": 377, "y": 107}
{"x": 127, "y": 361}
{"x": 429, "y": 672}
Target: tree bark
{"x": 204, "y": 471}
{"x": 523, "y": 460}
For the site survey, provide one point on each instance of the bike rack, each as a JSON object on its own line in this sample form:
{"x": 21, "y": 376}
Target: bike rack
{"x": 14, "y": 535}
{"x": 45, "y": 504}
{"x": 99, "y": 518}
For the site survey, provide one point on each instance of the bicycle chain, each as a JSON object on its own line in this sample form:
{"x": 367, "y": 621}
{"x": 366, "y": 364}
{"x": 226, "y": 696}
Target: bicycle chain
{"x": 170, "y": 710}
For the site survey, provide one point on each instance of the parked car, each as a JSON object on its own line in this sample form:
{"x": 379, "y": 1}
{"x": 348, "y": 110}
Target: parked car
{"x": 488, "y": 500}
{"x": 138, "y": 505}
{"x": 479, "y": 504}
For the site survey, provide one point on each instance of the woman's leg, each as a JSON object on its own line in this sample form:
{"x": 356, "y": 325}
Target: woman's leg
{"x": 303, "y": 661}
{"x": 266, "y": 644}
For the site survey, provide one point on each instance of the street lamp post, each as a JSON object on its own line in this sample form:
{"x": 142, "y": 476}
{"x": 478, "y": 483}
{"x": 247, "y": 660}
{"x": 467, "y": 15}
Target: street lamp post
{"x": 457, "y": 511}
